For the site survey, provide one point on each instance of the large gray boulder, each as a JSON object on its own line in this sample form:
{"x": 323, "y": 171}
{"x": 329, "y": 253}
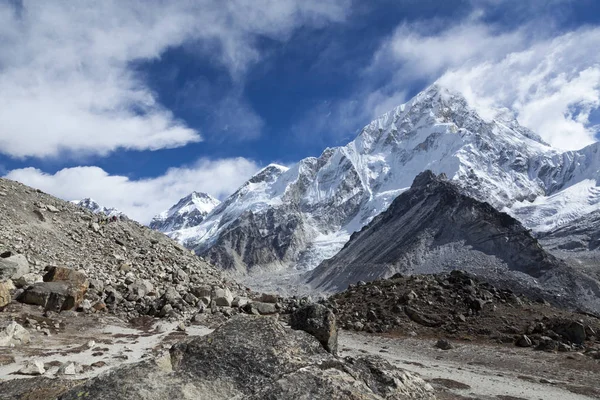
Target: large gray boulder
{"x": 5, "y": 295}
{"x": 320, "y": 322}
{"x": 13, "y": 266}
{"x": 252, "y": 357}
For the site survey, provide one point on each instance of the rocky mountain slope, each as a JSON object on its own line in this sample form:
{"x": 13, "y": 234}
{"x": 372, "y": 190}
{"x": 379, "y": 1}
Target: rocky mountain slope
{"x": 296, "y": 217}
{"x": 187, "y": 212}
{"x": 96, "y": 208}
{"x": 434, "y": 227}
{"x": 130, "y": 269}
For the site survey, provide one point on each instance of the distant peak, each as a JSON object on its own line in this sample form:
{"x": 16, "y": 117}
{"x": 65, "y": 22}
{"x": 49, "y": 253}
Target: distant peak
{"x": 427, "y": 177}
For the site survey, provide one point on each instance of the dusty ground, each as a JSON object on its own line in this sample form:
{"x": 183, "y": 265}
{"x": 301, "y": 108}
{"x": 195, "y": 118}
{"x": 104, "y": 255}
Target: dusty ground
{"x": 96, "y": 342}
{"x": 484, "y": 371}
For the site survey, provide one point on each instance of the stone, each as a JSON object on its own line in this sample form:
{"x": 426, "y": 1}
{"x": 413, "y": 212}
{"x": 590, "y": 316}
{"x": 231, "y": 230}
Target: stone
{"x": 28, "y": 280}
{"x": 444, "y": 344}
{"x": 52, "y": 209}
{"x": 267, "y": 361}
{"x": 14, "y": 334}
{"x": 203, "y": 293}
{"x": 95, "y": 227}
{"x": 573, "y": 331}
{"x": 13, "y": 266}
{"x": 269, "y": 298}
{"x": 259, "y": 308}
{"x": 53, "y": 296}
{"x": 5, "y": 295}
{"x": 240, "y": 302}
{"x": 320, "y": 322}
{"x": 222, "y": 297}
{"x": 39, "y": 215}
{"x": 33, "y": 368}
{"x": 70, "y": 368}
{"x": 524, "y": 341}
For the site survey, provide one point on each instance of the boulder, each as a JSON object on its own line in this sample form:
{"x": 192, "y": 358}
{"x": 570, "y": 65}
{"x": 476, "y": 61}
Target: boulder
{"x": 222, "y": 297}
{"x": 5, "y": 296}
{"x": 252, "y": 357}
{"x": 240, "y": 302}
{"x": 269, "y": 298}
{"x": 444, "y": 344}
{"x": 70, "y": 368}
{"x": 258, "y": 308}
{"x": 203, "y": 293}
{"x": 524, "y": 341}
{"x": 53, "y": 296}
{"x": 14, "y": 334}
{"x": 28, "y": 280}
{"x": 320, "y": 322}
{"x": 574, "y": 331}
{"x": 33, "y": 368}
{"x": 13, "y": 266}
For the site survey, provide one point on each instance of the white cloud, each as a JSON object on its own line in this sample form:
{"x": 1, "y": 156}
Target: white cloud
{"x": 141, "y": 199}
{"x": 66, "y": 79}
{"x": 551, "y": 82}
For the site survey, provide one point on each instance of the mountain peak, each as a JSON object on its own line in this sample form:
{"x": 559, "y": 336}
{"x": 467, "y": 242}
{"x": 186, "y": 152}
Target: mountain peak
{"x": 96, "y": 208}
{"x": 188, "y": 211}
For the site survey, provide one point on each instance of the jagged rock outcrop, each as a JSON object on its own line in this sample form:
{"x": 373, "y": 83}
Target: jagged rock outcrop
{"x": 254, "y": 358}
{"x": 435, "y": 227}
{"x": 187, "y": 212}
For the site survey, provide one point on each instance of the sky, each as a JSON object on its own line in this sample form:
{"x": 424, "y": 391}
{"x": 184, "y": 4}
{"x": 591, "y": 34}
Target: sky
{"x": 138, "y": 103}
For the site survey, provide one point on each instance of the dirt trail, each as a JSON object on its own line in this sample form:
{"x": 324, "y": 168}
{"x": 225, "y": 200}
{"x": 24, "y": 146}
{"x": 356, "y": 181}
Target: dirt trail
{"x": 484, "y": 371}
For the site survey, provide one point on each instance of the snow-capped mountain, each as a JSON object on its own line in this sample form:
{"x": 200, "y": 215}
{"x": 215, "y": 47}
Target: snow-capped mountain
{"x": 96, "y": 208}
{"x": 299, "y": 216}
{"x": 189, "y": 211}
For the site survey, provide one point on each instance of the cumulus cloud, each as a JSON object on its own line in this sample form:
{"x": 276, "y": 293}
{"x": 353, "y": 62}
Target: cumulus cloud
{"x": 141, "y": 199}
{"x": 551, "y": 81}
{"x": 67, "y": 84}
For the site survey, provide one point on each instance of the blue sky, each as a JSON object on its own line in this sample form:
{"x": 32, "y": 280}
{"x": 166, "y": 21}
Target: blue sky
{"x": 138, "y": 103}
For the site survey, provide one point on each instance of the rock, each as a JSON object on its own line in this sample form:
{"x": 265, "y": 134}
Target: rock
{"x": 14, "y": 334}
{"x": 240, "y": 302}
{"x": 33, "y": 368}
{"x": 269, "y": 298}
{"x": 547, "y": 344}
{"x": 268, "y": 361}
{"x": 52, "y": 209}
{"x": 320, "y": 322}
{"x": 53, "y": 296}
{"x": 524, "y": 341}
{"x": 444, "y": 344}
{"x": 70, "y": 368}
{"x": 95, "y": 227}
{"x": 13, "y": 266}
{"x": 5, "y": 296}
{"x": 573, "y": 331}
{"x": 39, "y": 215}
{"x": 222, "y": 297}
{"x": 28, "y": 280}
{"x": 258, "y": 308}
{"x": 203, "y": 293}
{"x": 77, "y": 281}
{"x": 420, "y": 318}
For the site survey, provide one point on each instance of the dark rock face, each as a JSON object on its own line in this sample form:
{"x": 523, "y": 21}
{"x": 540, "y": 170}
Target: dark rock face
{"x": 62, "y": 289}
{"x": 244, "y": 246}
{"x": 254, "y": 358}
{"x": 320, "y": 322}
{"x": 434, "y": 227}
